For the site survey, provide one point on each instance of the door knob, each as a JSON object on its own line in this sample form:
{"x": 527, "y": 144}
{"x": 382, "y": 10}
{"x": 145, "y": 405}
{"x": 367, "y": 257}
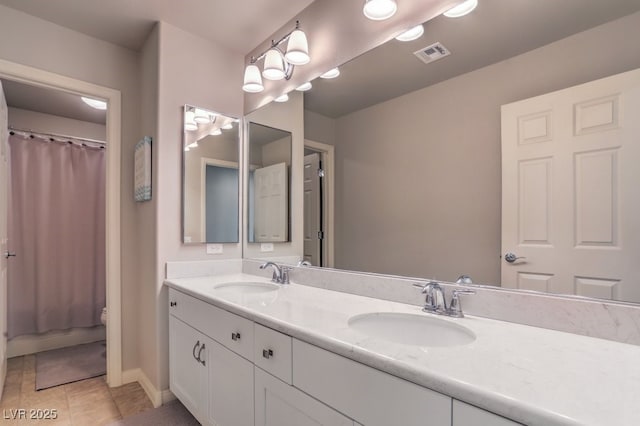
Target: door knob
{"x": 511, "y": 257}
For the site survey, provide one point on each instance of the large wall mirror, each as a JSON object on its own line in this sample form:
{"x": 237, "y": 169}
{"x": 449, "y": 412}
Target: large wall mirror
{"x": 210, "y": 177}
{"x": 269, "y": 175}
{"x": 415, "y": 142}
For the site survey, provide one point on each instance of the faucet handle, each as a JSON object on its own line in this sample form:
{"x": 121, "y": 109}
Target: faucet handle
{"x": 455, "y": 309}
{"x": 284, "y": 274}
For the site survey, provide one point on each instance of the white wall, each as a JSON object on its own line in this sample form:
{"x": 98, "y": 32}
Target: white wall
{"x": 191, "y": 71}
{"x": 47, "y": 123}
{"x": 429, "y": 186}
{"x": 37, "y": 43}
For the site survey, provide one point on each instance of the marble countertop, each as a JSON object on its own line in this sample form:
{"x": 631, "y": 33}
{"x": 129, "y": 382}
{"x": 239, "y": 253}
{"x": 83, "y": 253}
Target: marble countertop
{"x": 531, "y": 375}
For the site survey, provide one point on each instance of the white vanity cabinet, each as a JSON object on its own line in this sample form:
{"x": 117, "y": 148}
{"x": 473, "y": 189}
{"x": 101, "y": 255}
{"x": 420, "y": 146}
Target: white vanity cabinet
{"x": 278, "y": 403}
{"x": 369, "y": 396}
{"x": 187, "y": 375}
{"x": 212, "y": 381}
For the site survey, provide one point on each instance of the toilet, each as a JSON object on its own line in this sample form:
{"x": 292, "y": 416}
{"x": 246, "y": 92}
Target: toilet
{"x": 103, "y": 316}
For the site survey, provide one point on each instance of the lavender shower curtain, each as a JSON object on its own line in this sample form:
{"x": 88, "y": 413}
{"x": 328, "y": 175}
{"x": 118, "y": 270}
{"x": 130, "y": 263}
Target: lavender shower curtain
{"x": 57, "y": 229}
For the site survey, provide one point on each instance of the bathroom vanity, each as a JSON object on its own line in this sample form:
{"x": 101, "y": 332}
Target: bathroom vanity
{"x": 244, "y": 351}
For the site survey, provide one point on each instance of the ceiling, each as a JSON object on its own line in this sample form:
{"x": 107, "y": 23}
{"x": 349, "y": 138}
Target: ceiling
{"x": 50, "y": 101}
{"x": 238, "y": 25}
{"x": 495, "y": 31}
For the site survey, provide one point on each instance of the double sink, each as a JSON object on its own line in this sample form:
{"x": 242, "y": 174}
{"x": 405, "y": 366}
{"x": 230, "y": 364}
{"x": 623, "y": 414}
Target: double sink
{"x": 423, "y": 330}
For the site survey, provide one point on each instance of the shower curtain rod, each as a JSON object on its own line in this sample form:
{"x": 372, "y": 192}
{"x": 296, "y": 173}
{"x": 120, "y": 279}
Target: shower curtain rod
{"x": 56, "y": 135}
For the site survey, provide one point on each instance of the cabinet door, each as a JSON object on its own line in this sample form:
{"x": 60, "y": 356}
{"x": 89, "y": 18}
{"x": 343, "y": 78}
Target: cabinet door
{"x": 188, "y": 376}
{"x": 230, "y": 387}
{"x": 468, "y": 415}
{"x": 278, "y": 404}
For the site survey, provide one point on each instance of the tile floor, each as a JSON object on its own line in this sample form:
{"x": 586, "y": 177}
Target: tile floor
{"x": 83, "y": 403}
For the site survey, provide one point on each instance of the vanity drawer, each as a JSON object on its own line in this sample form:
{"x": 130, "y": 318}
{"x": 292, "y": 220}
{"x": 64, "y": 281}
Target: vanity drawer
{"x": 230, "y": 330}
{"x": 273, "y": 352}
{"x": 369, "y": 396}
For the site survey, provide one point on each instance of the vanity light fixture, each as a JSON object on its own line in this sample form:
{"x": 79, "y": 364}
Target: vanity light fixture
{"x": 332, "y": 73}
{"x": 411, "y": 34}
{"x": 462, "y": 9}
{"x": 278, "y": 65}
{"x": 282, "y": 98}
{"x": 189, "y": 121}
{"x": 94, "y": 103}
{"x": 215, "y": 132}
{"x": 201, "y": 116}
{"x": 379, "y": 10}
{"x": 304, "y": 87}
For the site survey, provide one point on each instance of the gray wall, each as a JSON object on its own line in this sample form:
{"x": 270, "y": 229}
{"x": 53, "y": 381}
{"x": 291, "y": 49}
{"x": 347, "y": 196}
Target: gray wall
{"x": 422, "y": 197}
{"x": 47, "y": 123}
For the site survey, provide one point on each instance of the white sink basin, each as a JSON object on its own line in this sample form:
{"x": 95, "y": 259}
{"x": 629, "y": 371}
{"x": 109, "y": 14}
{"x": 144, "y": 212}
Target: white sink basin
{"x": 247, "y": 287}
{"x": 248, "y": 292}
{"x": 409, "y": 329}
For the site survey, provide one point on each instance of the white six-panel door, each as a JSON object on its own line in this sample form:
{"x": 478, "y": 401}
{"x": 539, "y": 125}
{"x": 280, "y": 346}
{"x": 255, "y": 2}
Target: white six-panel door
{"x": 570, "y": 190}
{"x": 271, "y": 203}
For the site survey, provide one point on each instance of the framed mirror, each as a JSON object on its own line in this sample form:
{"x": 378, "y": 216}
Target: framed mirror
{"x": 268, "y": 184}
{"x": 417, "y": 140}
{"x": 210, "y": 204}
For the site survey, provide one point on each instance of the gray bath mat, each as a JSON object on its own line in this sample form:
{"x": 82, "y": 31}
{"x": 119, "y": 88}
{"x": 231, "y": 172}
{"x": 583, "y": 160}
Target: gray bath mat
{"x": 170, "y": 414}
{"x": 66, "y": 365}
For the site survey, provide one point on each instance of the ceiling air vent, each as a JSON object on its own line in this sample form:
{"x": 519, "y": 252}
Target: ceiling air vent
{"x": 432, "y": 53}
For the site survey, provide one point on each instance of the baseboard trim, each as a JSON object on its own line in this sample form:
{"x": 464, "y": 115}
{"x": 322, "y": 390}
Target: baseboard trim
{"x": 34, "y": 343}
{"x": 156, "y": 396}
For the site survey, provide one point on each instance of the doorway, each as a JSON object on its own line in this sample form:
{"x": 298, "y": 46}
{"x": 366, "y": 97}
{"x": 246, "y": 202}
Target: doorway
{"x": 318, "y": 204}
{"x": 40, "y": 78}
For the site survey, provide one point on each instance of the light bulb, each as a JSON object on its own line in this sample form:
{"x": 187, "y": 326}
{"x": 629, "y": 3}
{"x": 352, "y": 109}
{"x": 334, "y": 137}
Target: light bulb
{"x": 304, "y": 87}
{"x": 252, "y": 79}
{"x": 297, "y": 48}
{"x": 462, "y": 9}
{"x": 379, "y": 10}
{"x": 411, "y": 33}
{"x": 273, "y": 65}
{"x": 332, "y": 73}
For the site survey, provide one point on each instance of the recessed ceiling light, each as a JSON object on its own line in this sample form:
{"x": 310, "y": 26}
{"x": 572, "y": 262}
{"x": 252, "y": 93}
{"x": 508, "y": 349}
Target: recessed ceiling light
{"x": 94, "y": 103}
{"x": 462, "y": 9}
{"x": 379, "y": 10}
{"x": 282, "y": 98}
{"x": 332, "y": 73}
{"x": 304, "y": 87}
{"x": 411, "y": 33}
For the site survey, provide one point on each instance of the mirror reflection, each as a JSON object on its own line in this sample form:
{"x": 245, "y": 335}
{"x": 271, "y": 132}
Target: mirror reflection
{"x": 268, "y": 184}
{"x": 418, "y": 144}
{"x": 210, "y": 177}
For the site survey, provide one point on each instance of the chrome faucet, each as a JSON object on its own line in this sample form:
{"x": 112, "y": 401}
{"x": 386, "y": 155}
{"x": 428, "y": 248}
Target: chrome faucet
{"x": 280, "y": 272}
{"x": 436, "y": 303}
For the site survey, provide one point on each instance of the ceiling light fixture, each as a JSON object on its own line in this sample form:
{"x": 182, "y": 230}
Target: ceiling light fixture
{"x": 379, "y": 10}
{"x": 94, "y": 103}
{"x": 411, "y": 34}
{"x": 462, "y": 9}
{"x": 282, "y": 98}
{"x": 278, "y": 65}
{"x": 332, "y": 73}
{"x": 304, "y": 87}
